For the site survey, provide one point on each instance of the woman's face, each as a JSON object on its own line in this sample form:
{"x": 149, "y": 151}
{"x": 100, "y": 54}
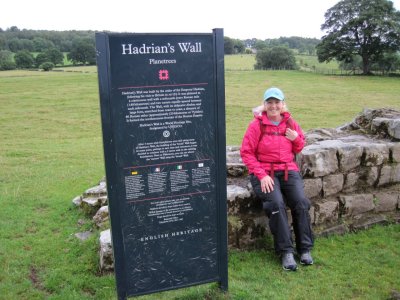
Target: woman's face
{"x": 273, "y": 107}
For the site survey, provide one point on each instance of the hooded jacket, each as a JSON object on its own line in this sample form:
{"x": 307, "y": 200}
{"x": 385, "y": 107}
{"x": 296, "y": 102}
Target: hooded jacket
{"x": 266, "y": 149}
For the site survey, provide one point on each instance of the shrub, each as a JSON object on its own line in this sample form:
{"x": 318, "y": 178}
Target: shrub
{"x": 47, "y": 66}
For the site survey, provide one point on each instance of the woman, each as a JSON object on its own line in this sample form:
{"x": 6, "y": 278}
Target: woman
{"x": 268, "y": 150}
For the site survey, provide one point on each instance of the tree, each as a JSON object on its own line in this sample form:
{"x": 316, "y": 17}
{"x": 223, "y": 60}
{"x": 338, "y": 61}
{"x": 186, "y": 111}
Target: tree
{"x": 6, "y": 60}
{"x": 55, "y": 56}
{"x": 82, "y": 51}
{"x": 41, "y": 58}
{"x": 353, "y": 64}
{"x": 228, "y": 45}
{"x": 275, "y": 58}
{"x": 17, "y": 44}
{"x": 390, "y": 62}
{"x": 41, "y": 44}
{"x": 24, "y": 59}
{"x": 238, "y": 46}
{"x": 260, "y": 45}
{"x": 367, "y": 28}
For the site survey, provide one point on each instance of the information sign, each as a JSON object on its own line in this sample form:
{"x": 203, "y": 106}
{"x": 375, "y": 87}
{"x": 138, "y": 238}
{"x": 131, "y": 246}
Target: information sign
{"x": 162, "y": 110}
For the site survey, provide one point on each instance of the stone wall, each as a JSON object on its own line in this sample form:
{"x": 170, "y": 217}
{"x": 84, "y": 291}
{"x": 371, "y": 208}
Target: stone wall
{"x": 351, "y": 175}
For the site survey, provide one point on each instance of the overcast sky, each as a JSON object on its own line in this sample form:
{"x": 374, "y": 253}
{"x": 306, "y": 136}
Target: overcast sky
{"x": 261, "y": 19}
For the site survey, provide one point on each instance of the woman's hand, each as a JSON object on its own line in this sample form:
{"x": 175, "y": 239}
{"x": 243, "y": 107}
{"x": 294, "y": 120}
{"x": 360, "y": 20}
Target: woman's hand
{"x": 267, "y": 184}
{"x": 291, "y": 134}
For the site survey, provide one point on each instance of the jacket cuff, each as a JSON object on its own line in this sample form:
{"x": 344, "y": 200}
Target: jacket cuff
{"x": 260, "y": 174}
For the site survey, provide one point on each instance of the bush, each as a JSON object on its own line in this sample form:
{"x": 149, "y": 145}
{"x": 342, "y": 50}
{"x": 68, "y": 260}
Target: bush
{"x": 7, "y": 65}
{"x": 6, "y": 60}
{"x": 24, "y": 59}
{"x": 47, "y": 66}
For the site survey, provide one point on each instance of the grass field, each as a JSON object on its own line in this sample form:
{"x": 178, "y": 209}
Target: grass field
{"x": 51, "y": 151}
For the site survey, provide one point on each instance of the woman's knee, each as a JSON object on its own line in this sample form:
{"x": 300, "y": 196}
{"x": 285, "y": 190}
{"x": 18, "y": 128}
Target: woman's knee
{"x": 274, "y": 204}
{"x": 303, "y": 203}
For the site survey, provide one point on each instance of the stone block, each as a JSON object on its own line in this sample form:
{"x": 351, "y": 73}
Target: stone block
{"x": 96, "y": 191}
{"x": 350, "y": 182}
{"x": 332, "y": 184}
{"x": 349, "y": 156}
{"x": 91, "y": 205}
{"x": 318, "y": 161}
{"x": 106, "y": 252}
{"x": 241, "y": 200}
{"x": 385, "y": 201}
{"x": 245, "y": 230}
{"x": 327, "y": 211}
{"x": 312, "y": 187}
{"x": 236, "y": 169}
{"x": 395, "y": 152}
{"x": 312, "y": 214}
{"x": 375, "y": 154}
{"x": 394, "y": 128}
{"x": 369, "y": 176}
{"x": 390, "y": 174}
{"x": 357, "y": 204}
{"x": 101, "y": 217}
{"x": 77, "y": 201}
{"x": 396, "y": 173}
{"x": 385, "y": 176}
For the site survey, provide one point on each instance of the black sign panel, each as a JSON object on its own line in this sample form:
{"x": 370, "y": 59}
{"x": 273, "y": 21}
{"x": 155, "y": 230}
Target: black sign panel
{"x": 162, "y": 106}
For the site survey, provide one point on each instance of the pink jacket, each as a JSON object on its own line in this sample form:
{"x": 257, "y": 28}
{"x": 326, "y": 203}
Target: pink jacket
{"x": 265, "y": 148}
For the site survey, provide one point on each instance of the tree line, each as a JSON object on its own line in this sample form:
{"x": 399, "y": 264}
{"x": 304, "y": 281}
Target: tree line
{"x": 44, "y": 48}
{"x": 17, "y": 47}
{"x": 360, "y": 35}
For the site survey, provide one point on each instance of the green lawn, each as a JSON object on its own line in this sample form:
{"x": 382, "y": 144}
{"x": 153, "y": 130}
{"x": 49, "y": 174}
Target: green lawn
{"x": 51, "y": 151}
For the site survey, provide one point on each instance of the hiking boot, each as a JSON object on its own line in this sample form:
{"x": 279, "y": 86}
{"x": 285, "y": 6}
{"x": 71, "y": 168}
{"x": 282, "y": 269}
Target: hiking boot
{"x": 306, "y": 259}
{"x": 288, "y": 262}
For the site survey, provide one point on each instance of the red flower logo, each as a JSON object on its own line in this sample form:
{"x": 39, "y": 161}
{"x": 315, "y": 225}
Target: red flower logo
{"x": 163, "y": 75}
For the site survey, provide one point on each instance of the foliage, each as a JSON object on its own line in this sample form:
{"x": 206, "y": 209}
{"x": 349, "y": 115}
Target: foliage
{"x": 41, "y": 44}
{"x": 367, "y": 28}
{"x": 47, "y": 66}
{"x": 228, "y": 45}
{"x": 352, "y": 63}
{"x": 16, "y": 45}
{"x": 40, "y": 58}
{"x": 14, "y": 39}
{"x": 6, "y": 60}
{"x": 233, "y": 46}
{"x": 260, "y": 45}
{"x": 390, "y": 62}
{"x": 275, "y": 58}
{"x": 55, "y": 56}
{"x": 83, "y": 51}
{"x": 300, "y": 44}
{"x": 24, "y": 59}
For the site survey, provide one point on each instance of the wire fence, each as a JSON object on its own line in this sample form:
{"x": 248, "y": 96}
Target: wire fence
{"x": 341, "y": 72}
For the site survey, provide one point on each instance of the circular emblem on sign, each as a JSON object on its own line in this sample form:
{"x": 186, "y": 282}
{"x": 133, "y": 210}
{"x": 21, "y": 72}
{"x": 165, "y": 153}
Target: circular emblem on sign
{"x": 166, "y": 133}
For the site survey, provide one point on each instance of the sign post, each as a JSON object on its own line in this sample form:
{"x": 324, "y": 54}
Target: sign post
{"x": 163, "y": 118}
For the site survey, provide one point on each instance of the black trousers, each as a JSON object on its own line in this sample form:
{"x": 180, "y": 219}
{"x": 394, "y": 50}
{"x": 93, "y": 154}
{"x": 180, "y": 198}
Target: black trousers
{"x": 290, "y": 193}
